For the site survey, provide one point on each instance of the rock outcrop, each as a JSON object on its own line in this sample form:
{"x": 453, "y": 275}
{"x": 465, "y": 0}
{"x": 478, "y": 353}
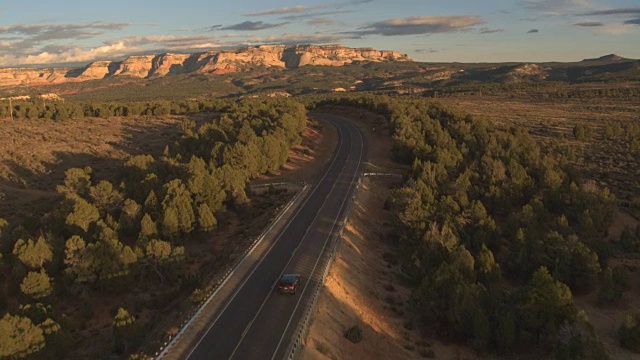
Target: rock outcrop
{"x": 210, "y": 62}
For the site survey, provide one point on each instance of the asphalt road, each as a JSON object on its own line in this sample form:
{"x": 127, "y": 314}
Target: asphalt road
{"x": 259, "y": 323}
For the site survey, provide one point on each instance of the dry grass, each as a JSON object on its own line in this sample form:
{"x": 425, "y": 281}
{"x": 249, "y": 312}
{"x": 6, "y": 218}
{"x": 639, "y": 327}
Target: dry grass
{"x": 552, "y": 121}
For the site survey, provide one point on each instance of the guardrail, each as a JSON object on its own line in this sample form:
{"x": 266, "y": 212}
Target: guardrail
{"x": 257, "y": 186}
{"x": 213, "y": 290}
{"x": 303, "y": 326}
{"x": 382, "y": 174}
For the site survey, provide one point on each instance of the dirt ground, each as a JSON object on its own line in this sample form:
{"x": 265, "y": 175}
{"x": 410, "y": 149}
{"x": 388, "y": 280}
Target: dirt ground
{"x": 35, "y": 153}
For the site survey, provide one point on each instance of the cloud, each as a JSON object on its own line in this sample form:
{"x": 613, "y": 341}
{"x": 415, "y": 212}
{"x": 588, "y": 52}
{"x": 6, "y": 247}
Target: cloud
{"x": 30, "y": 43}
{"x": 419, "y": 25}
{"x": 425, "y": 51}
{"x": 533, "y": 31}
{"x": 632, "y": 22}
{"x": 320, "y": 21}
{"x": 486, "y": 30}
{"x": 252, "y": 26}
{"x": 30, "y": 30}
{"x": 557, "y": 7}
{"x": 291, "y": 39}
{"x": 619, "y": 11}
{"x": 589, "y": 24}
{"x": 316, "y": 14}
{"x": 284, "y": 10}
{"x": 111, "y": 50}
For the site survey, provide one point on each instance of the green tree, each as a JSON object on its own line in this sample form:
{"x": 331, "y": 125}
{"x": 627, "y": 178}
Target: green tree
{"x": 629, "y": 333}
{"x": 148, "y": 227}
{"x": 547, "y": 306}
{"x": 206, "y": 219}
{"x": 629, "y": 240}
{"x": 104, "y": 196}
{"x": 20, "y": 337}
{"x": 170, "y": 222}
{"x": 179, "y": 199}
{"x": 160, "y": 253}
{"x": 579, "y": 132}
{"x": 76, "y": 181}
{"x": 488, "y": 270}
{"x": 79, "y": 259}
{"x": 124, "y": 330}
{"x": 33, "y": 254}
{"x": 36, "y": 284}
{"x": 82, "y": 215}
{"x": 3, "y": 225}
{"x": 613, "y": 283}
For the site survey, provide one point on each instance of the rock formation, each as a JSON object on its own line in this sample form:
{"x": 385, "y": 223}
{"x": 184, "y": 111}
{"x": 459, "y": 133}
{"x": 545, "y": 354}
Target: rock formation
{"x": 210, "y": 62}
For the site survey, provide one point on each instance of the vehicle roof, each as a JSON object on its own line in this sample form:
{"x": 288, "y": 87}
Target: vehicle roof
{"x": 289, "y": 277}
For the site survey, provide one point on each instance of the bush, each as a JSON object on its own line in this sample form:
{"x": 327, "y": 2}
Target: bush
{"x": 629, "y": 333}
{"x": 354, "y": 334}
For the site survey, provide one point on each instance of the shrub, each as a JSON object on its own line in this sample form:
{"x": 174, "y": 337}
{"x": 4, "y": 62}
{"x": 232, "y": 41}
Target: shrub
{"x": 354, "y": 334}
{"x": 629, "y": 333}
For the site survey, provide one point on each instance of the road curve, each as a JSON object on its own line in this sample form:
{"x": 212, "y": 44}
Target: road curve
{"x": 257, "y": 322}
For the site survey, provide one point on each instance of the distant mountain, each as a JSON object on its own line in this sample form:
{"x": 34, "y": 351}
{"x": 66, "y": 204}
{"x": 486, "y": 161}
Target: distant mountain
{"x": 610, "y": 57}
{"x": 211, "y": 62}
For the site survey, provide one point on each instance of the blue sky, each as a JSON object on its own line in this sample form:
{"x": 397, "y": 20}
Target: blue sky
{"x": 36, "y": 32}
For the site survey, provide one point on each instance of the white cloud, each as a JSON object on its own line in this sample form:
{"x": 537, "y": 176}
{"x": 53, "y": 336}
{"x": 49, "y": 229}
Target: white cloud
{"x": 559, "y": 7}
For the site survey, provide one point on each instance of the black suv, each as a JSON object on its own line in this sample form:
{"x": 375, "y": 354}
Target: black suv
{"x": 288, "y": 283}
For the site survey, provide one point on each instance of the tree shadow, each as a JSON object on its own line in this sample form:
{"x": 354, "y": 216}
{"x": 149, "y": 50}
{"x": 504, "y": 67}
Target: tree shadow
{"x": 32, "y": 192}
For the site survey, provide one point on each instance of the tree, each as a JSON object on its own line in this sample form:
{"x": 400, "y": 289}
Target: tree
{"x": 161, "y": 252}
{"x": 76, "y": 181}
{"x": 104, "y": 196}
{"x": 629, "y": 240}
{"x": 124, "y": 330}
{"x": 33, "y": 254}
{"x": 79, "y": 259}
{"x": 613, "y": 283}
{"x": 170, "y": 224}
{"x": 179, "y": 199}
{"x": 20, "y": 337}
{"x": 3, "y": 225}
{"x": 629, "y": 333}
{"x": 547, "y": 306}
{"x": 488, "y": 270}
{"x": 82, "y": 215}
{"x": 148, "y": 227}
{"x": 580, "y": 132}
{"x": 36, "y": 284}
{"x": 206, "y": 219}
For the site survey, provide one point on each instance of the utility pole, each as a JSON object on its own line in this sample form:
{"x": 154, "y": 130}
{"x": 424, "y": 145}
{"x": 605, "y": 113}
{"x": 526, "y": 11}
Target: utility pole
{"x": 10, "y": 109}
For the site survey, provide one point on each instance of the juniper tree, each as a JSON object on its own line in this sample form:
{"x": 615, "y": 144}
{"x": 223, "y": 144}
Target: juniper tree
{"x": 36, "y": 284}
{"x": 82, "y": 215}
{"x": 76, "y": 181}
{"x": 33, "y": 254}
{"x": 124, "y": 330}
{"x": 148, "y": 227}
{"x": 20, "y": 337}
{"x": 206, "y": 219}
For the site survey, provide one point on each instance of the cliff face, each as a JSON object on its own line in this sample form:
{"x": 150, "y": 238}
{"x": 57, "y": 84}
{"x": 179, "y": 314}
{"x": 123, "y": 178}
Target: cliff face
{"x": 210, "y": 62}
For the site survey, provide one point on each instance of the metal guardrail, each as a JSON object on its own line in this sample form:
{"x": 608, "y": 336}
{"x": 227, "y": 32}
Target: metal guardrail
{"x": 303, "y": 326}
{"x": 382, "y": 174}
{"x": 258, "y": 186}
{"x": 213, "y": 290}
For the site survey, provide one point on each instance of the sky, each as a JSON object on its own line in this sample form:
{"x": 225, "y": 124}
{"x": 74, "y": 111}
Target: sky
{"x": 45, "y": 32}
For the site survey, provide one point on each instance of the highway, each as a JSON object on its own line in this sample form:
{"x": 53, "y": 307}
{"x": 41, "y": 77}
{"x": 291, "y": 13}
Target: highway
{"x": 257, "y": 322}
